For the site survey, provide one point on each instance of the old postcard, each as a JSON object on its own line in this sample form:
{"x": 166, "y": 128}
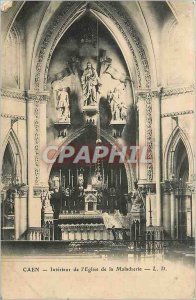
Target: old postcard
{"x": 98, "y": 150}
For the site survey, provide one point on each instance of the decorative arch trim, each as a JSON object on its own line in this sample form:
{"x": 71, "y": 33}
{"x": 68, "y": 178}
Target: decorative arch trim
{"x": 63, "y": 20}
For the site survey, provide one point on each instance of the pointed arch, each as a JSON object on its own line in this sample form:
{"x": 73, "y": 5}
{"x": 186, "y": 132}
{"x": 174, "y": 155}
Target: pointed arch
{"x": 131, "y": 178}
{"x": 120, "y": 28}
{"x": 176, "y": 136}
{"x": 17, "y": 153}
{"x": 12, "y": 68}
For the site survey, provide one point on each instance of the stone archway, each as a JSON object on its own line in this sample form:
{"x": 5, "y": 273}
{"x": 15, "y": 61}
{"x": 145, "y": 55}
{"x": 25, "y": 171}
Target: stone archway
{"x": 128, "y": 167}
{"x": 17, "y": 155}
{"x": 115, "y": 21}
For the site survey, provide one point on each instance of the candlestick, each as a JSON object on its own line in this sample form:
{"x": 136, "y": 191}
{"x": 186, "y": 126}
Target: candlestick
{"x": 77, "y": 177}
{"x": 72, "y": 178}
{"x": 111, "y": 177}
{"x": 60, "y": 180}
{"x": 69, "y": 177}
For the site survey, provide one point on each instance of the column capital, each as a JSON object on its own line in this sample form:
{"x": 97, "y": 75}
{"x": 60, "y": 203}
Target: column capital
{"x": 191, "y": 187}
{"x": 142, "y": 94}
{"x": 38, "y": 96}
{"x": 147, "y": 187}
{"x": 38, "y": 190}
{"x": 173, "y": 185}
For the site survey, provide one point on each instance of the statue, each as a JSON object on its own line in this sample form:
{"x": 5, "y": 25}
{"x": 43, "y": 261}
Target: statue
{"x": 113, "y": 98}
{"x": 90, "y": 81}
{"x": 123, "y": 112}
{"x": 45, "y": 198}
{"x": 118, "y": 109}
{"x": 63, "y": 104}
{"x": 56, "y": 182}
{"x": 137, "y": 200}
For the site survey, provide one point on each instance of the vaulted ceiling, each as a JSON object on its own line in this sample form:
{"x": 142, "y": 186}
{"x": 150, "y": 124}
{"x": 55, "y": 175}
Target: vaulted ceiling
{"x": 141, "y": 29}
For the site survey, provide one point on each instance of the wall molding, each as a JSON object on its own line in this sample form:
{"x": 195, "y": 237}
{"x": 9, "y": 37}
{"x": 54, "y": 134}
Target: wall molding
{"x": 177, "y": 113}
{"x": 173, "y": 91}
{"x": 16, "y": 95}
{"x": 4, "y": 115}
{"x": 25, "y": 95}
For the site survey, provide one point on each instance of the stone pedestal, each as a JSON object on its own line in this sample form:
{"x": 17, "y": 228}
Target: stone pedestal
{"x": 117, "y": 127}
{"x": 62, "y": 128}
{"x": 91, "y": 113}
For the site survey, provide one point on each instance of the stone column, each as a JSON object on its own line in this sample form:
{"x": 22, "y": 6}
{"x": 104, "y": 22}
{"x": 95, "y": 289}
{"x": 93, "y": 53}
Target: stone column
{"x": 172, "y": 212}
{"x": 35, "y": 207}
{"x": 157, "y": 145}
{"x": 142, "y": 136}
{"x": 43, "y": 140}
{"x": 20, "y": 213}
{"x": 193, "y": 211}
{"x": 166, "y": 211}
{"x": 30, "y": 159}
{"x": 176, "y": 217}
{"x": 36, "y": 134}
{"x": 17, "y": 215}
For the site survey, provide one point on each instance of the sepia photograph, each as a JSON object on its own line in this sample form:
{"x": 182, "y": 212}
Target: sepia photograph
{"x": 98, "y": 165}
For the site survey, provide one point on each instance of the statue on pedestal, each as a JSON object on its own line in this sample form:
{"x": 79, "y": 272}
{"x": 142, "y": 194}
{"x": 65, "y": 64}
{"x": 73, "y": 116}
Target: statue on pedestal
{"x": 63, "y": 104}
{"x": 90, "y": 82}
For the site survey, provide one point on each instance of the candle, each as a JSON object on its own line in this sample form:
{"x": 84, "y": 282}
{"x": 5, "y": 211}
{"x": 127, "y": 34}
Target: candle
{"x": 72, "y": 177}
{"x": 69, "y": 177}
{"x": 60, "y": 178}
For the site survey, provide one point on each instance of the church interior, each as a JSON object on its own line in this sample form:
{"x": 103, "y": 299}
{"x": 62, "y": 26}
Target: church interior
{"x": 94, "y": 73}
